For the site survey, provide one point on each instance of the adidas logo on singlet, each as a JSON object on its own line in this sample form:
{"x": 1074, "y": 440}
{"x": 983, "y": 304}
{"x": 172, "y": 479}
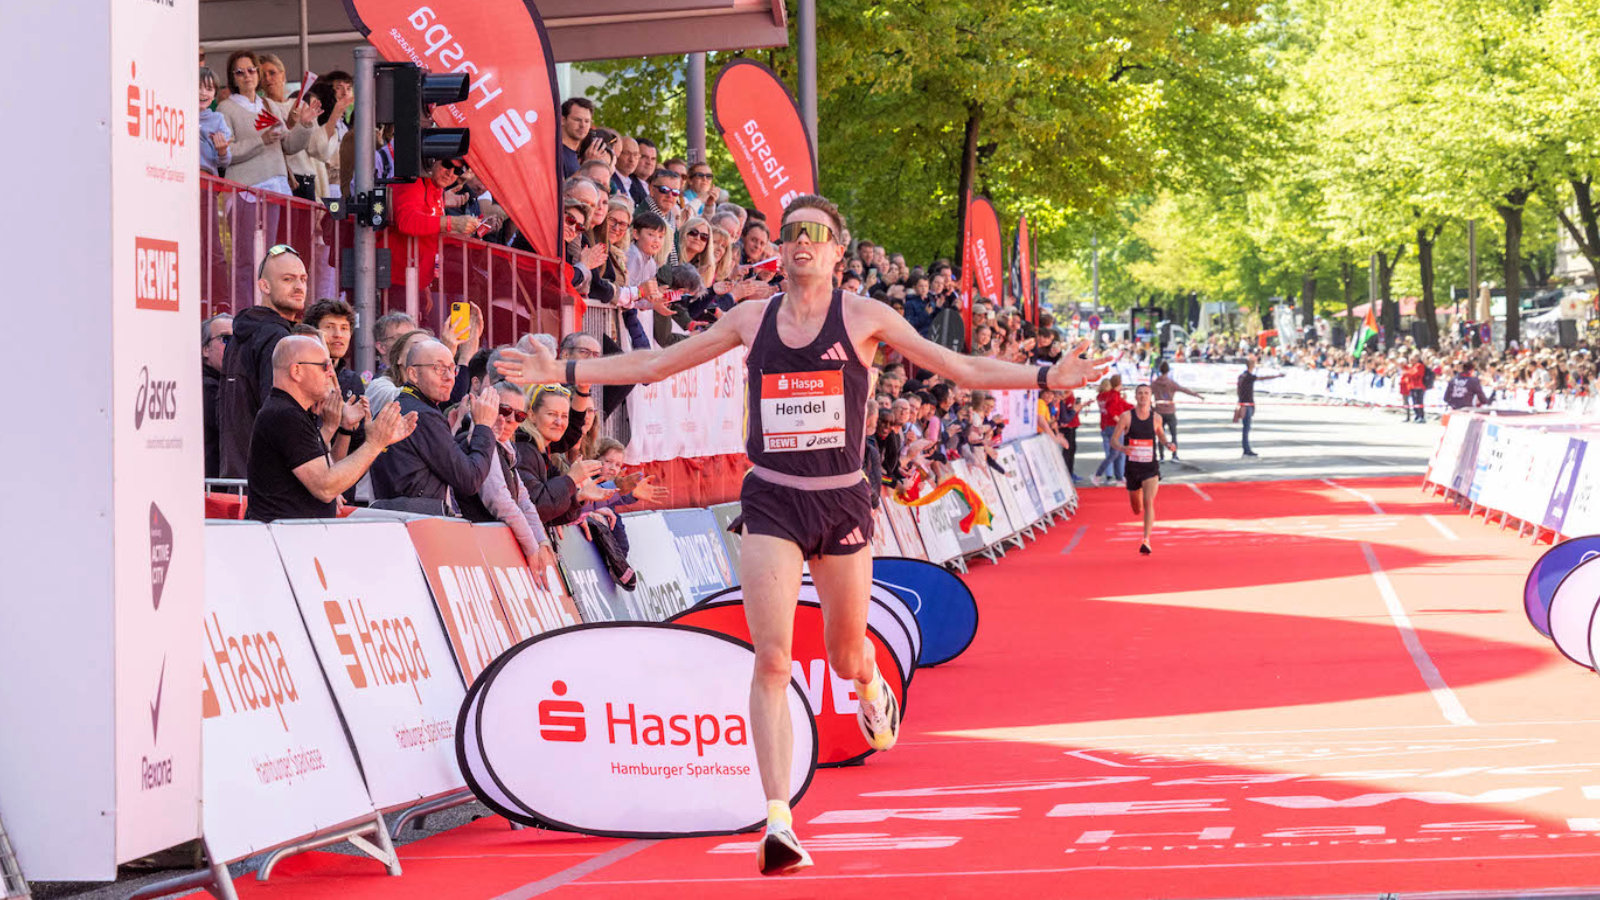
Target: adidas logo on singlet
{"x": 836, "y": 352}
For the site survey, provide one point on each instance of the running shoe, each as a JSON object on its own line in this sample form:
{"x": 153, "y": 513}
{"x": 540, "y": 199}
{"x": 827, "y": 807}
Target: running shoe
{"x": 779, "y": 852}
{"x": 1145, "y": 549}
{"x": 880, "y": 719}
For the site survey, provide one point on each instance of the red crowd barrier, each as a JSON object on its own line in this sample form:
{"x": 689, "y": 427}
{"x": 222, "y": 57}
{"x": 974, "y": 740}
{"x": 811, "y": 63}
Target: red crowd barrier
{"x": 517, "y": 292}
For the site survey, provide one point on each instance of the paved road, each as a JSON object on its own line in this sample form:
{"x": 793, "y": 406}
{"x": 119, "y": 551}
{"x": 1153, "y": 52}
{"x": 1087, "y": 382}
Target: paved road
{"x": 1295, "y": 439}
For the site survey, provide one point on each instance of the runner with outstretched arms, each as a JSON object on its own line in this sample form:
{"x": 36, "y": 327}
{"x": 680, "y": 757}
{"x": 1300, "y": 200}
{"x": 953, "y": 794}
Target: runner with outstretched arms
{"x": 805, "y": 499}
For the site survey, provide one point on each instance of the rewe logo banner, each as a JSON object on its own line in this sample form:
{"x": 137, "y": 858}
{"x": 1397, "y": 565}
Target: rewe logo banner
{"x": 624, "y": 730}
{"x": 760, "y": 122}
{"x": 512, "y": 112}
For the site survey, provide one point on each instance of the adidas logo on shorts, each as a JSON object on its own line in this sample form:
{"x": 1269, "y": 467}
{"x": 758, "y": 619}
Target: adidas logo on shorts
{"x": 853, "y": 538}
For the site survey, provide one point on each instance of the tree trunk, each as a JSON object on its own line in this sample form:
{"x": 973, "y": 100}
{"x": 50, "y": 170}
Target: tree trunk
{"x": 1588, "y": 236}
{"x": 1426, "y": 311}
{"x": 1347, "y": 281}
{"x": 969, "y": 168}
{"x": 1308, "y": 303}
{"x": 1511, "y": 214}
{"x": 1391, "y": 309}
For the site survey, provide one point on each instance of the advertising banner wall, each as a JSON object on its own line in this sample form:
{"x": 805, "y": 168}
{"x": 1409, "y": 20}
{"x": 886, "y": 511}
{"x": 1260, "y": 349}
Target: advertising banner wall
{"x": 937, "y": 523}
{"x": 904, "y": 524}
{"x": 529, "y": 608}
{"x": 1442, "y": 464}
{"x": 1583, "y": 509}
{"x": 1022, "y": 496}
{"x": 699, "y": 412}
{"x": 760, "y": 122}
{"x": 626, "y": 730}
{"x": 999, "y": 527}
{"x": 1466, "y": 467}
{"x": 511, "y": 111}
{"x": 463, "y": 591}
{"x": 156, "y": 413}
{"x": 1046, "y": 466}
{"x": 1020, "y": 410}
{"x": 664, "y": 590}
{"x": 377, "y": 634}
{"x": 277, "y": 765}
{"x": 597, "y": 597}
{"x": 701, "y": 553}
{"x": 725, "y": 513}
{"x": 884, "y": 542}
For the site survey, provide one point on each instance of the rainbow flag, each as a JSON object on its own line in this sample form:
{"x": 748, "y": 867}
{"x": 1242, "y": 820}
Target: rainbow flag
{"x": 977, "y": 511}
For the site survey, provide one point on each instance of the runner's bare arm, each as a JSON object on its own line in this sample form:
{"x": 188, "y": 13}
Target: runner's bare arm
{"x": 891, "y": 328}
{"x": 1123, "y": 421}
{"x": 636, "y": 367}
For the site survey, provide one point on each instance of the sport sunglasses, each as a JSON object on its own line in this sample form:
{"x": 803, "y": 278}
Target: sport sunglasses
{"x": 816, "y": 232}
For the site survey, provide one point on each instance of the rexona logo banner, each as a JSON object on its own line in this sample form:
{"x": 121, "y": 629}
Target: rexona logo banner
{"x": 375, "y": 629}
{"x": 624, "y": 730}
{"x": 760, "y": 121}
{"x": 501, "y": 45}
{"x": 943, "y": 604}
{"x": 833, "y": 699}
{"x": 277, "y": 765}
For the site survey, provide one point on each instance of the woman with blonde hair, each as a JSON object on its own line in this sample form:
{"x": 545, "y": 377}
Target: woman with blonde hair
{"x": 558, "y": 495}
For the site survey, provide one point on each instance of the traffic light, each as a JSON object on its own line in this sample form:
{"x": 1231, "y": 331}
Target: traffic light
{"x": 406, "y": 94}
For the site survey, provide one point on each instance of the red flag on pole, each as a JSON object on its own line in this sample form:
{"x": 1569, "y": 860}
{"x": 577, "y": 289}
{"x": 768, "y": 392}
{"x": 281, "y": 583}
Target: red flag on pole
{"x": 760, "y": 122}
{"x": 501, "y": 45}
{"x": 983, "y": 230}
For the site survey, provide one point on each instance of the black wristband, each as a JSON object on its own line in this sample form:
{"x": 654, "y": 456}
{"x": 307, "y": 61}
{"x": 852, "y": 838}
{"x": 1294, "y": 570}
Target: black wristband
{"x": 578, "y": 393}
{"x": 572, "y": 371}
{"x": 348, "y": 432}
{"x": 1044, "y": 378}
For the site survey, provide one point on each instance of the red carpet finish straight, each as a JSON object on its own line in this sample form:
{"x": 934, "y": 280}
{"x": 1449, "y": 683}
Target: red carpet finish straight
{"x": 1311, "y": 688}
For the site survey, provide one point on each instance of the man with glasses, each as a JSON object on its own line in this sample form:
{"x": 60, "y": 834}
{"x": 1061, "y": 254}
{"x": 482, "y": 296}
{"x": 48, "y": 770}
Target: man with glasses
{"x": 426, "y": 471}
{"x": 806, "y": 499}
{"x": 299, "y": 450}
{"x": 247, "y": 361}
{"x": 215, "y": 333}
{"x": 666, "y": 196}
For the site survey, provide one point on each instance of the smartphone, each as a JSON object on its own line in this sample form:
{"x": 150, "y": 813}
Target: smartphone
{"x": 460, "y": 320}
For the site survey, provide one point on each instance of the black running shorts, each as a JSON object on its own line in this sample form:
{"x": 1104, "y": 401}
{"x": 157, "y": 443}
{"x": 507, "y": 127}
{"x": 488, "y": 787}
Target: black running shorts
{"x": 1138, "y": 473}
{"x": 831, "y": 522}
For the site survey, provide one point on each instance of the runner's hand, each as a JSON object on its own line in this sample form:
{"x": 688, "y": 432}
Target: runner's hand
{"x": 524, "y": 368}
{"x": 1074, "y": 371}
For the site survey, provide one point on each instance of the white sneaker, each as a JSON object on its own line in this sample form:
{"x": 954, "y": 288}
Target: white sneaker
{"x": 880, "y": 719}
{"x": 779, "y": 852}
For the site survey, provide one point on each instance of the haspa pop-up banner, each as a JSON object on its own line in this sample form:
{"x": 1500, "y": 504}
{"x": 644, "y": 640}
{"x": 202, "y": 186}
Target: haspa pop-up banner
{"x": 760, "y": 121}
{"x": 833, "y": 699}
{"x": 501, "y": 45}
{"x": 624, "y": 730}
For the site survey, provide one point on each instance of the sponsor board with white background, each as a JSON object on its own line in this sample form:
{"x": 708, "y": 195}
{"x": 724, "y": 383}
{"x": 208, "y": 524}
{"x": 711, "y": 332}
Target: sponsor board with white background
{"x": 1539, "y": 469}
{"x": 277, "y": 764}
{"x": 375, "y": 629}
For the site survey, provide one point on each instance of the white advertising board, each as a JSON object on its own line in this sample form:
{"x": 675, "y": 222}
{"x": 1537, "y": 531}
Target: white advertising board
{"x": 277, "y": 766}
{"x": 377, "y": 634}
{"x": 1022, "y": 503}
{"x": 663, "y": 590}
{"x": 699, "y": 412}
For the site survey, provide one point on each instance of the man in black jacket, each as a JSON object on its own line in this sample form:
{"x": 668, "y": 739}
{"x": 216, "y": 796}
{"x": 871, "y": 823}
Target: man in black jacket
{"x": 215, "y": 333}
{"x": 430, "y": 465}
{"x": 247, "y": 364}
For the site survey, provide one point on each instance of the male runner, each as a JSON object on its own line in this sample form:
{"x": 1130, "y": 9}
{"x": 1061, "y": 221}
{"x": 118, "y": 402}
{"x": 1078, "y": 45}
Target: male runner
{"x": 1137, "y": 431}
{"x": 1166, "y": 389}
{"x": 805, "y": 498}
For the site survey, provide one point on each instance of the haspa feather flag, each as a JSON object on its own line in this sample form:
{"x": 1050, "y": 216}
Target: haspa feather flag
{"x": 983, "y": 239}
{"x": 501, "y": 45}
{"x": 760, "y": 122}
{"x": 965, "y": 291}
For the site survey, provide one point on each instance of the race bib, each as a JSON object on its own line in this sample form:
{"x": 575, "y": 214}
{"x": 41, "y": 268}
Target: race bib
{"x": 802, "y": 411}
{"x": 1141, "y": 451}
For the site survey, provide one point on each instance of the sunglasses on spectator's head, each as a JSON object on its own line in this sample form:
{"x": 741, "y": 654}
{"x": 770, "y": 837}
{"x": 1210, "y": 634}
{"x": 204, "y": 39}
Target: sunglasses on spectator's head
{"x": 816, "y": 232}
{"x": 548, "y": 389}
{"x": 666, "y": 191}
{"x": 275, "y": 250}
{"x": 516, "y": 415}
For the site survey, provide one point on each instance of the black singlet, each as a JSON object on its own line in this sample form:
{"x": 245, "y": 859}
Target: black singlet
{"x": 1141, "y": 438}
{"x": 806, "y": 415}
